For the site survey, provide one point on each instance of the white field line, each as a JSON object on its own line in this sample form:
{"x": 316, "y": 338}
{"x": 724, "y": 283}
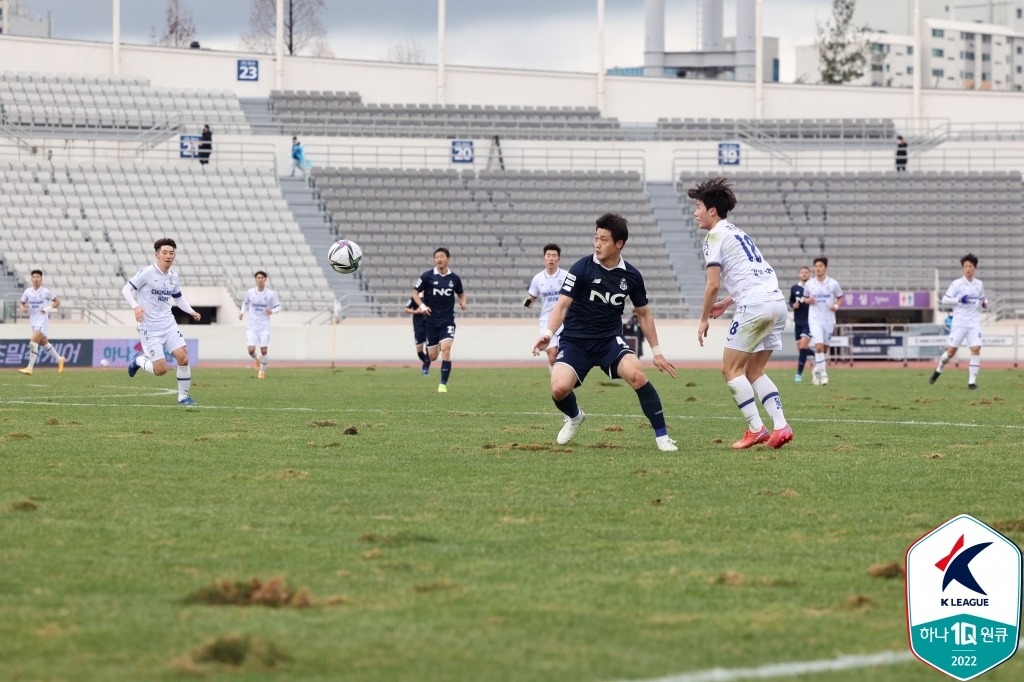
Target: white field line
{"x": 789, "y": 669}
{"x": 55, "y": 401}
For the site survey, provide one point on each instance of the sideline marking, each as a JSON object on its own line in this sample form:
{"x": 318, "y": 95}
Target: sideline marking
{"x": 789, "y": 669}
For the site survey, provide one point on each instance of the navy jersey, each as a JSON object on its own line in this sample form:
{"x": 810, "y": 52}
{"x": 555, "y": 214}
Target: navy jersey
{"x": 438, "y": 292}
{"x": 411, "y": 305}
{"x": 599, "y": 297}
{"x": 796, "y": 293}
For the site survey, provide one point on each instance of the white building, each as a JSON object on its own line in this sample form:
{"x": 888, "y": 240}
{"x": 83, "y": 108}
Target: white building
{"x": 890, "y": 61}
{"x": 897, "y": 16}
{"x": 15, "y": 20}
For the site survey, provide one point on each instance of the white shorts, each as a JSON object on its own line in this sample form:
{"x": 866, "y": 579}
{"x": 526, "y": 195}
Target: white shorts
{"x": 154, "y": 343}
{"x": 43, "y": 327}
{"x": 553, "y": 343}
{"x": 758, "y": 327}
{"x": 257, "y": 337}
{"x": 957, "y": 336}
{"x": 822, "y": 333}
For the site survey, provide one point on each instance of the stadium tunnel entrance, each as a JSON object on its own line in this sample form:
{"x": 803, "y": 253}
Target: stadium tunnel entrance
{"x": 208, "y": 313}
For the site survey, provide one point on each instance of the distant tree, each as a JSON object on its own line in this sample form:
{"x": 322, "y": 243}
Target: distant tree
{"x": 409, "y": 52}
{"x": 303, "y": 27}
{"x": 179, "y": 27}
{"x": 842, "y": 48}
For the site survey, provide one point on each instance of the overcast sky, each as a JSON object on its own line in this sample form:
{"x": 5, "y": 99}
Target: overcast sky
{"x": 548, "y": 34}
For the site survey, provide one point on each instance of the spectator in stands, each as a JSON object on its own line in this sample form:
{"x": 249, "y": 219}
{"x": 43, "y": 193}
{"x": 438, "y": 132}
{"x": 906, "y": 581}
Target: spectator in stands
{"x": 206, "y": 146}
{"x": 632, "y": 328}
{"x": 299, "y": 158}
{"x": 901, "y": 154}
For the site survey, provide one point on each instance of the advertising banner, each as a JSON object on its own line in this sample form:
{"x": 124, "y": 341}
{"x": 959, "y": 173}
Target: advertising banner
{"x": 887, "y": 300}
{"x": 76, "y": 353}
{"x": 119, "y": 352}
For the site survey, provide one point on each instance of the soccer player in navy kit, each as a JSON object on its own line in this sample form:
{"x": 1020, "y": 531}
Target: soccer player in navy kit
{"x": 419, "y": 334}
{"x": 590, "y": 304}
{"x": 434, "y": 296}
{"x": 802, "y": 329}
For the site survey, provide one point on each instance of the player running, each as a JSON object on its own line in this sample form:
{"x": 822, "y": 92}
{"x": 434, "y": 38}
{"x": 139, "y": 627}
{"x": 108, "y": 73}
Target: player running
{"x": 733, "y": 260}
{"x": 439, "y": 288}
{"x": 824, "y": 295}
{"x": 261, "y": 303}
{"x": 546, "y": 285}
{"x": 419, "y": 334}
{"x": 966, "y": 295}
{"x": 800, "y": 328}
{"x": 38, "y": 301}
{"x": 591, "y": 303}
{"x": 156, "y": 286}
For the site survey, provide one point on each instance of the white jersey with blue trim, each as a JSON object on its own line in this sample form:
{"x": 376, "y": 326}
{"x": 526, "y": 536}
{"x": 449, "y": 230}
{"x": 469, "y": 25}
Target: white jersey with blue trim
{"x": 257, "y": 303}
{"x": 965, "y": 314}
{"x": 155, "y": 291}
{"x": 746, "y": 274}
{"x": 36, "y": 300}
{"x": 825, "y": 295}
{"x": 547, "y": 288}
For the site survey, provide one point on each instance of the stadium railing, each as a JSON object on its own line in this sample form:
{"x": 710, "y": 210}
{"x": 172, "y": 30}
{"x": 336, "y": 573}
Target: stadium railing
{"x": 259, "y": 156}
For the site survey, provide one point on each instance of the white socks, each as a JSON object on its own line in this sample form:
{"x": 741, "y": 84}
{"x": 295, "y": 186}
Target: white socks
{"x": 263, "y": 363}
{"x": 743, "y": 394}
{"x": 942, "y": 361}
{"x": 972, "y": 377}
{"x": 184, "y": 381}
{"x": 146, "y": 364}
{"x": 768, "y": 394}
{"x": 33, "y": 354}
{"x": 253, "y": 355}
{"x": 820, "y": 362}
{"x": 51, "y": 350}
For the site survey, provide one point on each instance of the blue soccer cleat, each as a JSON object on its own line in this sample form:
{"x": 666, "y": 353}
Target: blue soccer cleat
{"x": 798, "y": 378}
{"x": 187, "y": 402}
{"x": 133, "y": 366}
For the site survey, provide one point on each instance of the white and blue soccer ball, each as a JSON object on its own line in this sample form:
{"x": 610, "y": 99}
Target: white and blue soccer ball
{"x": 344, "y": 256}
{"x": 104, "y": 363}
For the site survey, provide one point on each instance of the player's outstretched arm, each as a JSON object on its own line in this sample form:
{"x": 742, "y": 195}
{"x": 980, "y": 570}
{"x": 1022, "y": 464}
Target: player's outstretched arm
{"x": 180, "y": 301}
{"x": 714, "y": 283}
{"x": 554, "y": 322}
{"x": 646, "y": 319}
{"x": 128, "y": 292}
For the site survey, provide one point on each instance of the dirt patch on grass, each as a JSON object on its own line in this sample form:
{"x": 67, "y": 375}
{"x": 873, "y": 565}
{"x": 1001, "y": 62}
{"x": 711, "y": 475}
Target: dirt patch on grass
{"x": 53, "y": 421}
{"x": 399, "y": 538}
{"x": 145, "y": 433}
{"x": 1014, "y": 526}
{"x": 613, "y": 427}
{"x": 781, "y": 493}
{"x": 934, "y": 455}
{"x": 605, "y": 445}
{"x": 436, "y": 586}
{"x": 717, "y": 440}
{"x": 24, "y": 505}
{"x": 351, "y": 431}
{"x": 729, "y": 578}
{"x": 321, "y": 423}
{"x": 372, "y": 554}
{"x": 235, "y": 650}
{"x": 17, "y": 435}
{"x": 691, "y": 399}
{"x": 291, "y": 475}
{"x": 842, "y": 448}
{"x": 656, "y": 502}
{"x": 273, "y": 593}
{"x": 517, "y": 521}
{"x": 562, "y": 450}
{"x": 887, "y": 571}
{"x": 856, "y": 601}
{"x": 690, "y": 384}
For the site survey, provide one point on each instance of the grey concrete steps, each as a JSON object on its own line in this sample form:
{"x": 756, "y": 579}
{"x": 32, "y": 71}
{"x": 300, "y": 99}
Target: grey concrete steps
{"x": 258, "y": 116}
{"x": 682, "y": 243}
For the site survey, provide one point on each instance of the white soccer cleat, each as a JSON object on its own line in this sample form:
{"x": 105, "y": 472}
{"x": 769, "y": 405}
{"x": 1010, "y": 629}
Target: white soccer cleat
{"x": 824, "y": 380}
{"x": 666, "y": 444}
{"x": 816, "y": 379}
{"x": 569, "y": 429}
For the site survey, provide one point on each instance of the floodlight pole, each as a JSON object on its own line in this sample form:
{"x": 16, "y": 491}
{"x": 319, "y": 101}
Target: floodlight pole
{"x": 441, "y": 21}
{"x": 116, "y": 40}
{"x": 600, "y": 56}
{"x": 758, "y": 59}
{"x": 279, "y": 40}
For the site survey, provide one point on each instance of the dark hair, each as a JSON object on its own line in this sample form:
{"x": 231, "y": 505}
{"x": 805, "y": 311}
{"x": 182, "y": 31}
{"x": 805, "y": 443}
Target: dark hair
{"x": 715, "y": 193}
{"x": 40, "y": 272}
{"x": 615, "y": 224}
{"x": 260, "y": 272}
{"x": 441, "y": 249}
{"x": 822, "y": 260}
{"x": 552, "y": 247}
{"x": 160, "y": 243}
{"x": 969, "y": 258}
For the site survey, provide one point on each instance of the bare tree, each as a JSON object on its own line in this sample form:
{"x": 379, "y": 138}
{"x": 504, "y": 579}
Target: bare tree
{"x": 321, "y": 49}
{"x": 303, "y": 27}
{"x": 842, "y": 48}
{"x": 179, "y": 27}
{"x": 409, "y": 52}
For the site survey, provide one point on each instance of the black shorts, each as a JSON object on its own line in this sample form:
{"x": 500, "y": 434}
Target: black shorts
{"x": 801, "y": 330}
{"x": 583, "y": 354}
{"x": 419, "y": 329}
{"x": 438, "y": 330}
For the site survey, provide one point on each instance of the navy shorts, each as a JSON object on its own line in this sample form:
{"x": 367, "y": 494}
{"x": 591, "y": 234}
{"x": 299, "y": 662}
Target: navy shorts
{"x": 419, "y": 329}
{"x": 438, "y": 330}
{"x": 583, "y": 354}
{"x": 802, "y": 330}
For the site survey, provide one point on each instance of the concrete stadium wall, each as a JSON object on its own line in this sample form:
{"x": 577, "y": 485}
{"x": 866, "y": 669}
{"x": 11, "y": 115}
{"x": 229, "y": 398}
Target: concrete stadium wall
{"x": 630, "y": 99}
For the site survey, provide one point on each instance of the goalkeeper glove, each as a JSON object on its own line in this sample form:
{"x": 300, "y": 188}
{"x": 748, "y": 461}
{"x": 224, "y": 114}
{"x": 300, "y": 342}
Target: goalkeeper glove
{"x": 965, "y": 299}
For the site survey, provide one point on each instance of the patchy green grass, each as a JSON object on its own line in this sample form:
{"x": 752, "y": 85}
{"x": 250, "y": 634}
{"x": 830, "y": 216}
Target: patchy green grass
{"x": 447, "y": 537}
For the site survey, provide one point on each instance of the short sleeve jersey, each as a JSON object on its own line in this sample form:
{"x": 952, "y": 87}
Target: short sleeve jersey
{"x": 258, "y": 302}
{"x": 745, "y": 272}
{"x": 411, "y": 305}
{"x": 155, "y": 291}
{"x": 438, "y": 292}
{"x": 599, "y": 296}
{"x": 36, "y": 300}
{"x": 547, "y": 288}
{"x": 825, "y": 295}
{"x": 966, "y": 314}
{"x": 796, "y": 295}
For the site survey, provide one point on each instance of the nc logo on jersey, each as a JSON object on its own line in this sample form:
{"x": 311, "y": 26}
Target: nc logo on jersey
{"x": 442, "y": 292}
{"x": 610, "y": 299}
{"x": 963, "y": 598}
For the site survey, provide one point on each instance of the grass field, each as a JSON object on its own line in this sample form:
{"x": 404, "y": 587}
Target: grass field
{"x": 460, "y": 543}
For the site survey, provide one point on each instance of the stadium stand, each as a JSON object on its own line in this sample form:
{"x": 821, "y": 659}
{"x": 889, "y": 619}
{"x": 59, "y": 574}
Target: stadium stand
{"x": 89, "y": 227}
{"x": 808, "y": 130}
{"x": 494, "y": 222}
{"x": 64, "y": 104}
{"x": 345, "y": 114}
{"x": 874, "y": 226}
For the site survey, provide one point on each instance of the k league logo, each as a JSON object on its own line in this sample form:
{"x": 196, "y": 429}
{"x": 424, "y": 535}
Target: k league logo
{"x": 963, "y": 598}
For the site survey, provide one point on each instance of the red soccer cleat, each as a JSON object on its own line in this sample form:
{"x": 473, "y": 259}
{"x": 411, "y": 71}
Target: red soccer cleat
{"x": 780, "y": 437}
{"x": 751, "y": 439}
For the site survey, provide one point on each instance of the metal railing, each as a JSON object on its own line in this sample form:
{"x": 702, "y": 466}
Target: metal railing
{"x": 73, "y": 122}
{"x": 1008, "y": 308}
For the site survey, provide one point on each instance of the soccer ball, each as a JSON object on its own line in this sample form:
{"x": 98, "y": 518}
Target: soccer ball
{"x": 344, "y": 256}
{"x": 104, "y": 363}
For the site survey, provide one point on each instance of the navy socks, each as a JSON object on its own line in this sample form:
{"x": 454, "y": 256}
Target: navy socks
{"x": 650, "y": 403}
{"x": 568, "y": 405}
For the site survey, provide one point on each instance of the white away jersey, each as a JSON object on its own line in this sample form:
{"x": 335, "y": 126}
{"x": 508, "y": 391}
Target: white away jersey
{"x": 825, "y": 296}
{"x": 547, "y": 290}
{"x": 258, "y": 302}
{"x": 745, "y": 272}
{"x": 965, "y": 314}
{"x": 36, "y": 300}
{"x": 155, "y": 291}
